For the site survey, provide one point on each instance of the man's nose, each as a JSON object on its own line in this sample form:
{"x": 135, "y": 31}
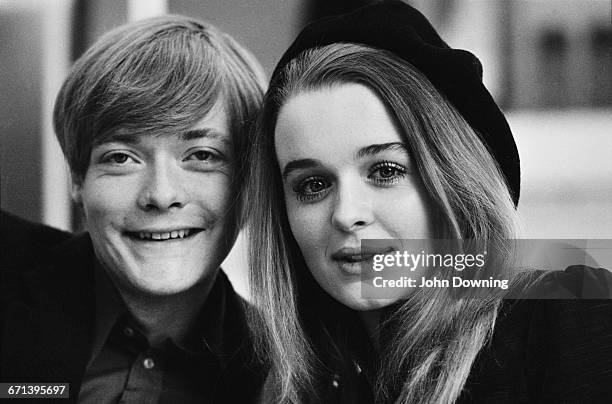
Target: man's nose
{"x": 163, "y": 188}
{"x": 352, "y": 209}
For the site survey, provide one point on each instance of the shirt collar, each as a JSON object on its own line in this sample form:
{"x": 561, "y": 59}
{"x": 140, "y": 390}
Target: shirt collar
{"x": 109, "y": 308}
{"x": 213, "y": 331}
{"x": 209, "y": 326}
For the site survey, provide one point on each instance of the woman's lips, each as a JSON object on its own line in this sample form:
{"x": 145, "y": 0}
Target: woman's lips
{"x": 350, "y": 260}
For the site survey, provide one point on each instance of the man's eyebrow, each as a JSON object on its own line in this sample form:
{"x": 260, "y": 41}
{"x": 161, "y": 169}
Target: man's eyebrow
{"x": 379, "y": 148}
{"x": 203, "y": 133}
{"x": 298, "y": 164}
{"x": 132, "y": 138}
{"x": 119, "y": 137}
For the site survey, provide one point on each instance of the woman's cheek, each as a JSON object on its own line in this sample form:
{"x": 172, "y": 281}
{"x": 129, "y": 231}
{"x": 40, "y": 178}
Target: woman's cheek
{"x": 308, "y": 226}
{"x": 408, "y": 218}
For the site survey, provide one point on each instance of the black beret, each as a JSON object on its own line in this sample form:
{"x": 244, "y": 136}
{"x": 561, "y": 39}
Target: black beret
{"x": 456, "y": 73}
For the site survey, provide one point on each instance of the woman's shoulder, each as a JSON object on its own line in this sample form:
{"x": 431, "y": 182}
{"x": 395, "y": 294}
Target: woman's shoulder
{"x": 554, "y": 348}
{"x": 575, "y": 282}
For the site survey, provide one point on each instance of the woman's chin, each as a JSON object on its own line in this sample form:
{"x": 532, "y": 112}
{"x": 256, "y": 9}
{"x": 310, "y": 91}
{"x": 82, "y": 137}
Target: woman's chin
{"x": 359, "y": 303}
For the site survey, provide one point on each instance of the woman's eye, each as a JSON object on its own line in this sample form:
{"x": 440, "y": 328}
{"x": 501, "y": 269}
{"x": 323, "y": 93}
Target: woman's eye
{"x": 387, "y": 173}
{"x": 311, "y": 188}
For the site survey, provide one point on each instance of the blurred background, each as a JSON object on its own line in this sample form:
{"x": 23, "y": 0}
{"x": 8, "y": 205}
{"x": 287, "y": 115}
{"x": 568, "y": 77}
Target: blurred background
{"x": 548, "y": 63}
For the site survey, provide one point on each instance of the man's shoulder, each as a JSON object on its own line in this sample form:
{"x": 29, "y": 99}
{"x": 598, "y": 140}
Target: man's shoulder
{"x": 58, "y": 268}
{"x": 233, "y": 298}
{"x": 242, "y": 362}
{"x": 16, "y": 230}
{"x": 46, "y": 312}
{"x": 25, "y": 243}
{"x": 235, "y": 310}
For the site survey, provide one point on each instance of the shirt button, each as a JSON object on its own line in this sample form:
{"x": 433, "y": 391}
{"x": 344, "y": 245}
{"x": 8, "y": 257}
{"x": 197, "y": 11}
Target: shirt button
{"x": 148, "y": 363}
{"x": 336, "y": 381}
{"x": 128, "y": 331}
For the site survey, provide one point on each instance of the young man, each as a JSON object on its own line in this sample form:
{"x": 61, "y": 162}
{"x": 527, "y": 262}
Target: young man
{"x": 152, "y": 120}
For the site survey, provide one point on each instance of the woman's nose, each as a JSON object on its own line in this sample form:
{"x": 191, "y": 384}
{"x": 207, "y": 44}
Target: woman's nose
{"x": 163, "y": 188}
{"x": 351, "y": 210}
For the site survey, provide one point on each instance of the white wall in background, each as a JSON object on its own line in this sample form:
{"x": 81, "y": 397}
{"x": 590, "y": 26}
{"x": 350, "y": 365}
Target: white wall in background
{"x": 57, "y": 16}
{"x": 140, "y": 9}
{"x": 566, "y": 165}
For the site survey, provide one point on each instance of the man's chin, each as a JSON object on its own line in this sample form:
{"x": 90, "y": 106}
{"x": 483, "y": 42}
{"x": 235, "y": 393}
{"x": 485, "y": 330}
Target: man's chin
{"x": 160, "y": 288}
{"x": 164, "y": 279}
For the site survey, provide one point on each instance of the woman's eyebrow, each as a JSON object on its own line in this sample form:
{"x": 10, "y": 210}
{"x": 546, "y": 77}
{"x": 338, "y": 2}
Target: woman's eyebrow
{"x": 298, "y": 164}
{"x": 378, "y": 148}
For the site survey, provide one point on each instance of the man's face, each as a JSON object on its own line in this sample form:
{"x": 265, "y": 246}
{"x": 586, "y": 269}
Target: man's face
{"x": 159, "y": 208}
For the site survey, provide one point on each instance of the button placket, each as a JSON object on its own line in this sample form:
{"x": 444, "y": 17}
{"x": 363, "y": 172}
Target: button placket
{"x": 357, "y": 367}
{"x": 148, "y": 363}
{"x": 336, "y": 381}
{"x": 128, "y": 331}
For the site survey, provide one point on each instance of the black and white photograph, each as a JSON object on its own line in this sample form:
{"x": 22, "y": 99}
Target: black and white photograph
{"x": 306, "y": 201}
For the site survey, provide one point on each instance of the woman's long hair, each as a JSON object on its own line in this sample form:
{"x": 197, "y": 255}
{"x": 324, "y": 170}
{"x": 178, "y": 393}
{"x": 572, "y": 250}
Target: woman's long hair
{"x": 437, "y": 336}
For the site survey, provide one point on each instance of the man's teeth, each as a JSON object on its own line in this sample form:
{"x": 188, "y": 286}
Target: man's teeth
{"x": 164, "y": 236}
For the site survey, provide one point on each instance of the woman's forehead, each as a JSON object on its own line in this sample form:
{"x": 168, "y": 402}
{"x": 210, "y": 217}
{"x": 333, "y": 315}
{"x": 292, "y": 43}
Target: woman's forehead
{"x": 328, "y": 121}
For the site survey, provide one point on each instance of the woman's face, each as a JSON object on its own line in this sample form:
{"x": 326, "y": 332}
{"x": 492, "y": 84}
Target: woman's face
{"x": 347, "y": 176}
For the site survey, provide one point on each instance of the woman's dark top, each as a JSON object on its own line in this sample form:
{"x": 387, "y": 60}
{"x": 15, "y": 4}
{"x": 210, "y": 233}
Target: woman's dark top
{"x": 545, "y": 350}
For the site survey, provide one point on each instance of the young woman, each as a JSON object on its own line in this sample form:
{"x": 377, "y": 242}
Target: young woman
{"x": 384, "y": 132}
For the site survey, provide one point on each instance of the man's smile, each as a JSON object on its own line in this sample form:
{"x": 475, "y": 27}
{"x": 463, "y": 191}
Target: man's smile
{"x": 163, "y": 235}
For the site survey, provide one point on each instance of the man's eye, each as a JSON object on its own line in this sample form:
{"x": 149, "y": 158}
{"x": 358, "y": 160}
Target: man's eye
{"x": 117, "y": 158}
{"x": 311, "y": 188}
{"x": 387, "y": 173}
{"x": 203, "y": 155}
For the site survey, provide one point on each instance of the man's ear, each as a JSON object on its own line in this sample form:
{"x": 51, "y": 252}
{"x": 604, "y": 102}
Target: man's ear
{"x": 75, "y": 193}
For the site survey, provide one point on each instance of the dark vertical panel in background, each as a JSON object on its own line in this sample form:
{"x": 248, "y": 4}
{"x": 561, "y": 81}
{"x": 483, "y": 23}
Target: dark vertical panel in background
{"x": 91, "y": 19}
{"x": 20, "y": 110}
{"x": 79, "y": 28}
{"x": 553, "y": 73}
{"x": 601, "y": 74}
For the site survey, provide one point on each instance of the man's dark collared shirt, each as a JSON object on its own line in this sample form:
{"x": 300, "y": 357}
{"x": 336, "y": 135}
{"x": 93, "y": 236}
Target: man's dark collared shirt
{"x": 123, "y": 367}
